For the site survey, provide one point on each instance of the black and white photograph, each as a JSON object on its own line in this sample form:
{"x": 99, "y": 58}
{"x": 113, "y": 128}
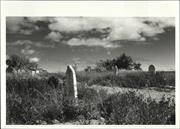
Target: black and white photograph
{"x": 90, "y": 70}
{"x": 90, "y": 64}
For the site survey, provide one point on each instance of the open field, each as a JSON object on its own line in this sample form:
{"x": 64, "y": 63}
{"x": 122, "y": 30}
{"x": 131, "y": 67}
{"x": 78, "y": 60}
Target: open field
{"x": 152, "y": 92}
{"x": 103, "y": 99}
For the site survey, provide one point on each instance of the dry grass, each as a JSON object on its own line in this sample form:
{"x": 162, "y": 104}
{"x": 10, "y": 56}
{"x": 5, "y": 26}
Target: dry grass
{"x": 39, "y": 100}
{"x": 130, "y": 79}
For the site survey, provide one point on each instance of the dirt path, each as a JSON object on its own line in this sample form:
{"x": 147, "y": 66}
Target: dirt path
{"x": 151, "y": 92}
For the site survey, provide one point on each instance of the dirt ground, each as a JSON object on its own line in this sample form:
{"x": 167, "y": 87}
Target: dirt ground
{"x": 152, "y": 92}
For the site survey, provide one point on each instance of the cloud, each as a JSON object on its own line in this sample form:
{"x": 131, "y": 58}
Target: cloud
{"x": 91, "y": 42}
{"x": 13, "y": 24}
{"x": 27, "y": 50}
{"x": 76, "y": 23}
{"x": 36, "y": 19}
{"x": 121, "y": 28}
{"x": 34, "y": 59}
{"x": 20, "y": 43}
{"x": 54, "y": 36}
{"x": 44, "y": 45}
{"x": 20, "y": 25}
{"x": 131, "y": 29}
{"x": 102, "y": 30}
{"x": 25, "y": 43}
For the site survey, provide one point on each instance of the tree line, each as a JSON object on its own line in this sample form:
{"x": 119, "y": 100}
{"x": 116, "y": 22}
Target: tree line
{"x": 16, "y": 63}
{"x": 121, "y": 62}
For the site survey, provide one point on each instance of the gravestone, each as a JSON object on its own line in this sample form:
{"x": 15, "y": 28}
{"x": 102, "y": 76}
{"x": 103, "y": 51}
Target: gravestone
{"x": 151, "y": 69}
{"x": 116, "y": 70}
{"x": 70, "y": 88}
{"x": 33, "y": 73}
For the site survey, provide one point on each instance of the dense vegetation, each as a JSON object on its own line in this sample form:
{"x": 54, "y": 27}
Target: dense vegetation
{"x": 33, "y": 100}
{"x": 130, "y": 79}
{"x": 39, "y": 99}
{"x": 16, "y": 63}
{"x": 121, "y": 62}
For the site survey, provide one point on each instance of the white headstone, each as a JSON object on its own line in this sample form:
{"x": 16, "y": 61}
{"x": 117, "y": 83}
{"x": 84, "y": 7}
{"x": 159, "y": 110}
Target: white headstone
{"x": 33, "y": 73}
{"x": 71, "y": 83}
{"x": 116, "y": 70}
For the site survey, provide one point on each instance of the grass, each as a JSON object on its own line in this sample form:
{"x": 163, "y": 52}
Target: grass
{"x": 127, "y": 108}
{"x": 130, "y": 79}
{"x": 33, "y": 100}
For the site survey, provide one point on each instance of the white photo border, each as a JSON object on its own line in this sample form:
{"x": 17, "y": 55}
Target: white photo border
{"x": 88, "y": 8}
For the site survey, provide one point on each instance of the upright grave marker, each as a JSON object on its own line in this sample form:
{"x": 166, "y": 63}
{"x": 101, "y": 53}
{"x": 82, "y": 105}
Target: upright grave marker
{"x": 151, "y": 69}
{"x": 71, "y": 83}
{"x": 116, "y": 70}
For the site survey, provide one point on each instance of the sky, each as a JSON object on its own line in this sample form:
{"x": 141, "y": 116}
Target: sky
{"x": 55, "y": 42}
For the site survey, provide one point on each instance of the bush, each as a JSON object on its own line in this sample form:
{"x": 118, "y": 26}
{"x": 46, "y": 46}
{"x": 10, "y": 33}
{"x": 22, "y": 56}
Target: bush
{"x": 53, "y": 81}
{"x": 128, "y": 108}
{"x": 32, "y": 100}
{"x": 90, "y": 99}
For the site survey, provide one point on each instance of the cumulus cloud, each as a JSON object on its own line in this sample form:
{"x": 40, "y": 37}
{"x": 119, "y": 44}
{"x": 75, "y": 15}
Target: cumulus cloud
{"x": 121, "y": 28}
{"x": 91, "y": 42}
{"x": 132, "y": 29}
{"x": 27, "y": 50}
{"x": 20, "y": 25}
{"x": 34, "y": 59}
{"x": 77, "y": 31}
{"x": 77, "y": 23}
{"x": 54, "y": 36}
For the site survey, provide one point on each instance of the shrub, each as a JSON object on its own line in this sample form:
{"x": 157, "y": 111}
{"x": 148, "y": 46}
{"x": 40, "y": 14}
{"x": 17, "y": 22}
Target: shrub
{"x": 87, "y": 94}
{"x": 53, "y": 81}
{"x": 128, "y": 108}
{"x": 128, "y": 79}
{"x": 32, "y": 99}
{"x": 90, "y": 99}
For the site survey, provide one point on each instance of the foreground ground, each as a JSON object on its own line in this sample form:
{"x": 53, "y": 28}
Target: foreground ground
{"x": 153, "y": 92}
{"x": 103, "y": 98}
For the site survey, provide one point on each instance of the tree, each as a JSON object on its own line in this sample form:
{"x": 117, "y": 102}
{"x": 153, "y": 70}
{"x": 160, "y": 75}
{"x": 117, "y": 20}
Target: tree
{"x": 122, "y": 62}
{"x": 32, "y": 66}
{"x": 18, "y": 63}
{"x": 9, "y": 70}
{"x": 105, "y": 65}
{"x": 137, "y": 66}
{"x": 14, "y": 62}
